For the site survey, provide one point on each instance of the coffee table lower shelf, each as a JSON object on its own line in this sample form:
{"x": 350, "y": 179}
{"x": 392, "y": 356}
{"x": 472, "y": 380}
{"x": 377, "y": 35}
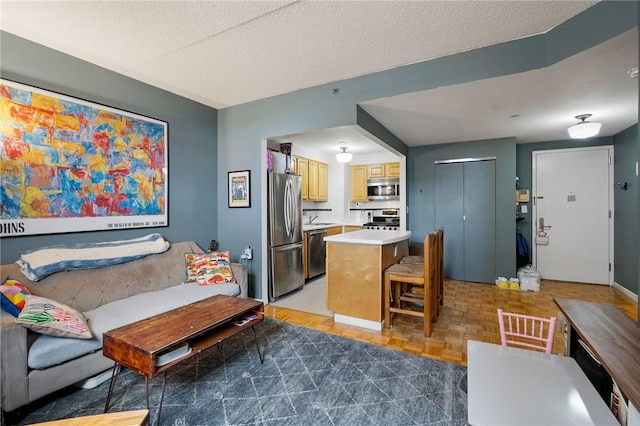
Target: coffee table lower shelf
{"x": 200, "y": 325}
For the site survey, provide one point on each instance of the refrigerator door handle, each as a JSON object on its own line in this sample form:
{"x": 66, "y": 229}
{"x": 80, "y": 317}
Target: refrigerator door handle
{"x": 287, "y": 208}
{"x": 289, "y": 247}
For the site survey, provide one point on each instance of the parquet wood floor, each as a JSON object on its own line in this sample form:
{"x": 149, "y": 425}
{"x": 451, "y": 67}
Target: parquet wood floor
{"x": 469, "y": 312}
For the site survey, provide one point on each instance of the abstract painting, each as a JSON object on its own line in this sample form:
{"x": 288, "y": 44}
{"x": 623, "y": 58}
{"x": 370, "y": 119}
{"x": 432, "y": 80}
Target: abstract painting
{"x": 69, "y": 165}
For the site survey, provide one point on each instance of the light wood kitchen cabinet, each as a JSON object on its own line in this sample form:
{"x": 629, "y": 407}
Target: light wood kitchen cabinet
{"x": 392, "y": 169}
{"x": 359, "y": 183}
{"x": 376, "y": 171}
{"x": 355, "y": 277}
{"x": 302, "y": 167}
{"x": 383, "y": 170}
{"x": 293, "y": 166}
{"x": 352, "y": 228}
{"x": 323, "y": 182}
{"x": 334, "y": 230}
{"x": 315, "y": 178}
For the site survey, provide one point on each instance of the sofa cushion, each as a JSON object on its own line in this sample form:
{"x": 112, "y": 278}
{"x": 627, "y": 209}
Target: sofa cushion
{"x": 13, "y": 296}
{"x": 49, "y": 317}
{"x": 47, "y": 351}
{"x": 209, "y": 268}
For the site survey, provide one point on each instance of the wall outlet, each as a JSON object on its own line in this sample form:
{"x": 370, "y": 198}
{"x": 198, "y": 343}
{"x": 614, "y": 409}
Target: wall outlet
{"x": 248, "y": 252}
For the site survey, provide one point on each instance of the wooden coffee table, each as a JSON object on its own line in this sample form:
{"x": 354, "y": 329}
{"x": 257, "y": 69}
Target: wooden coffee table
{"x": 200, "y": 325}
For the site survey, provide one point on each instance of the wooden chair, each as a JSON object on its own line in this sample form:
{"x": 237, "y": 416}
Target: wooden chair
{"x": 440, "y": 266}
{"x": 526, "y": 331}
{"x": 401, "y": 282}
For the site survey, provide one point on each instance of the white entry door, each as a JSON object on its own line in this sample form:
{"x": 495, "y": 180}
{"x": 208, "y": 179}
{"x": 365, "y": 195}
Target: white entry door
{"x": 572, "y": 204}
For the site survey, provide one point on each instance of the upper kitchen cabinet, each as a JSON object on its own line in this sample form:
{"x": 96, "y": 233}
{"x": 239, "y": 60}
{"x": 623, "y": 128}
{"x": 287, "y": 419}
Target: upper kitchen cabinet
{"x": 383, "y": 170}
{"x": 302, "y": 167}
{"x": 323, "y": 182}
{"x": 315, "y": 179}
{"x": 359, "y": 183}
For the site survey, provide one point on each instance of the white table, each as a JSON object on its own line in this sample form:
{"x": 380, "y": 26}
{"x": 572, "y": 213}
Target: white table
{"x": 512, "y": 386}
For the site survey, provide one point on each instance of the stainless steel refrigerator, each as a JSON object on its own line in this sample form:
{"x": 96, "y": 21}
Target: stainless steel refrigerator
{"x": 285, "y": 234}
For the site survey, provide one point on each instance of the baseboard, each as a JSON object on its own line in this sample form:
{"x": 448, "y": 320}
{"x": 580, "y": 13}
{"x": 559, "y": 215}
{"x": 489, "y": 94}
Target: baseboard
{"x": 625, "y": 291}
{"x": 358, "y": 322}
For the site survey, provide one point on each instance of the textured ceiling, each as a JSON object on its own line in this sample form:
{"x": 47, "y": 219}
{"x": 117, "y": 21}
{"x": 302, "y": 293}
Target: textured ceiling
{"x": 224, "y": 53}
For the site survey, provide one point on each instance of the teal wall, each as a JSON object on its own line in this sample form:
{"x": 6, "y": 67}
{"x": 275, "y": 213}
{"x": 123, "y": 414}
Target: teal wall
{"x": 193, "y": 145}
{"x": 241, "y": 128}
{"x": 625, "y": 215}
{"x": 204, "y": 144}
{"x": 421, "y": 192}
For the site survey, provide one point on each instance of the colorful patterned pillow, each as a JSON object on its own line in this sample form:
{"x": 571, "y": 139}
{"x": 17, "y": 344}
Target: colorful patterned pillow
{"x": 13, "y": 296}
{"x": 55, "y": 319}
{"x": 209, "y": 268}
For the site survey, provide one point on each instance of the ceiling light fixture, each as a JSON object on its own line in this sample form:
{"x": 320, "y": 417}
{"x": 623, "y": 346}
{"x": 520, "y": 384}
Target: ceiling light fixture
{"x": 343, "y": 156}
{"x": 584, "y": 129}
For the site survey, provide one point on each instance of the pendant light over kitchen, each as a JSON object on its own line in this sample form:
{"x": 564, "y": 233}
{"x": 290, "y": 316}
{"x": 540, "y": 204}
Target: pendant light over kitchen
{"x": 343, "y": 156}
{"x": 584, "y": 129}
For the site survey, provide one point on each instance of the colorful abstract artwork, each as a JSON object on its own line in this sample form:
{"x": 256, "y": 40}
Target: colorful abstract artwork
{"x": 69, "y": 165}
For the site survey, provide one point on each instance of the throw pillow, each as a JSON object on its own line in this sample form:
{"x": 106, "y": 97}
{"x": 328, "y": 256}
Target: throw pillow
{"x": 47, "y": 316}
{"x": 13, "y": 296}
{"x": 209, "y": 268}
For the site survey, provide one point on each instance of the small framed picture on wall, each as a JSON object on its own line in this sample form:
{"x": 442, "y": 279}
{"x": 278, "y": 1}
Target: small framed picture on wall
{"x": 239, "y": 188}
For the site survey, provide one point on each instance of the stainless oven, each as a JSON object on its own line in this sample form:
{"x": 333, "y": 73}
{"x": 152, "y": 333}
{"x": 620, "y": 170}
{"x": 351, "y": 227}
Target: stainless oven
{"x": 383, "y": 189}
{"x": 386, "y": 220}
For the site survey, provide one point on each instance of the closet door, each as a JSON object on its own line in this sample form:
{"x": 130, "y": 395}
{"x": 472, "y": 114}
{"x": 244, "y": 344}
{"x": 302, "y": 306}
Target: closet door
{"x": 449, "y": 212}
{"x": 479, "y": 221}
{"x": 465, "y": 206}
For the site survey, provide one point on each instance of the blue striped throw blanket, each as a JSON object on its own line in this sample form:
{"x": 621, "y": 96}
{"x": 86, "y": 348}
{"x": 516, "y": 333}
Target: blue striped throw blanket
{"x": 39, "y": 263}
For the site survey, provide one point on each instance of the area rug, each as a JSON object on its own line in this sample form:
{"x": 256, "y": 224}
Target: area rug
{"x": 308, "y": 378}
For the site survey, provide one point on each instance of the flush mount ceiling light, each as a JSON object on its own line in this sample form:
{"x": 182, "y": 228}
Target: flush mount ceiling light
{"x": 343, "y": 156}
{"x": 584, "y": 129}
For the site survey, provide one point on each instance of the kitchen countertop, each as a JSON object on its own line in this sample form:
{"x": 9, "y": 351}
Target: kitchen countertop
{"x": 369, "y": 236}
{"x": 314, "y": 226}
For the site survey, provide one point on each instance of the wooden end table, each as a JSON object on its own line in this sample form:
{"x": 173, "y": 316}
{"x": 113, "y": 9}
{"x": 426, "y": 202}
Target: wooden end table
{"x": 201, "y": 325}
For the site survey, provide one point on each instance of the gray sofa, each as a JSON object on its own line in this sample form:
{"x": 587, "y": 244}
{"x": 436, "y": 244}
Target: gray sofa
{"x": 33, "y": 365}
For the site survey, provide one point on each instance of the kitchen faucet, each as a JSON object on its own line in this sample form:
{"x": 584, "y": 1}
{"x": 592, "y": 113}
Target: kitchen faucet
{"x": 311, "y": 219}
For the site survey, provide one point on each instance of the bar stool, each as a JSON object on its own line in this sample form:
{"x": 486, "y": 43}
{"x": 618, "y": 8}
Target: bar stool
{"x": 417, "y": 259}
{"x": 440, "y": 267}
{"x": 400, "y": 279}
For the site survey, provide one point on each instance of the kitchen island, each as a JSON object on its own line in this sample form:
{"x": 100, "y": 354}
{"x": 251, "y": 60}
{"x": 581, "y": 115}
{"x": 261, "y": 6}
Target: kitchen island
{"x": 356, "y": 262}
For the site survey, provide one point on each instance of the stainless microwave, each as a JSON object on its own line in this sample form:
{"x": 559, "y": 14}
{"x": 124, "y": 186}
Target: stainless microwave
{"x": 383, "y": 189}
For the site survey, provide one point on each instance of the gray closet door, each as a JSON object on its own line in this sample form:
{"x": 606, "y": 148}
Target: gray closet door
{"x": 449, "y": 212}
{"x": 480, "y": 221}
{"x": 465, "y": 206}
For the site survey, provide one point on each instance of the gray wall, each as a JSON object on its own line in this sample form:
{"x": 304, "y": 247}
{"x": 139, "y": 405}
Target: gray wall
{"x": 193, "y": 144}
{"x": 241, "y": 128}
{"x": 626, "y": 209}
{"x": 421, "y": 192}
{"x": 199, "y": 158}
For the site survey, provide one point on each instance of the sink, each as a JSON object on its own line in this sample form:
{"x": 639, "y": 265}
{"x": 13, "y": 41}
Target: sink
{"x": 320, "y": 223}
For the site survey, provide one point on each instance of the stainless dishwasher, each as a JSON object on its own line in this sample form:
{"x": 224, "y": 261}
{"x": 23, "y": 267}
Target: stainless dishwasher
{"x": 316, "y": 252}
